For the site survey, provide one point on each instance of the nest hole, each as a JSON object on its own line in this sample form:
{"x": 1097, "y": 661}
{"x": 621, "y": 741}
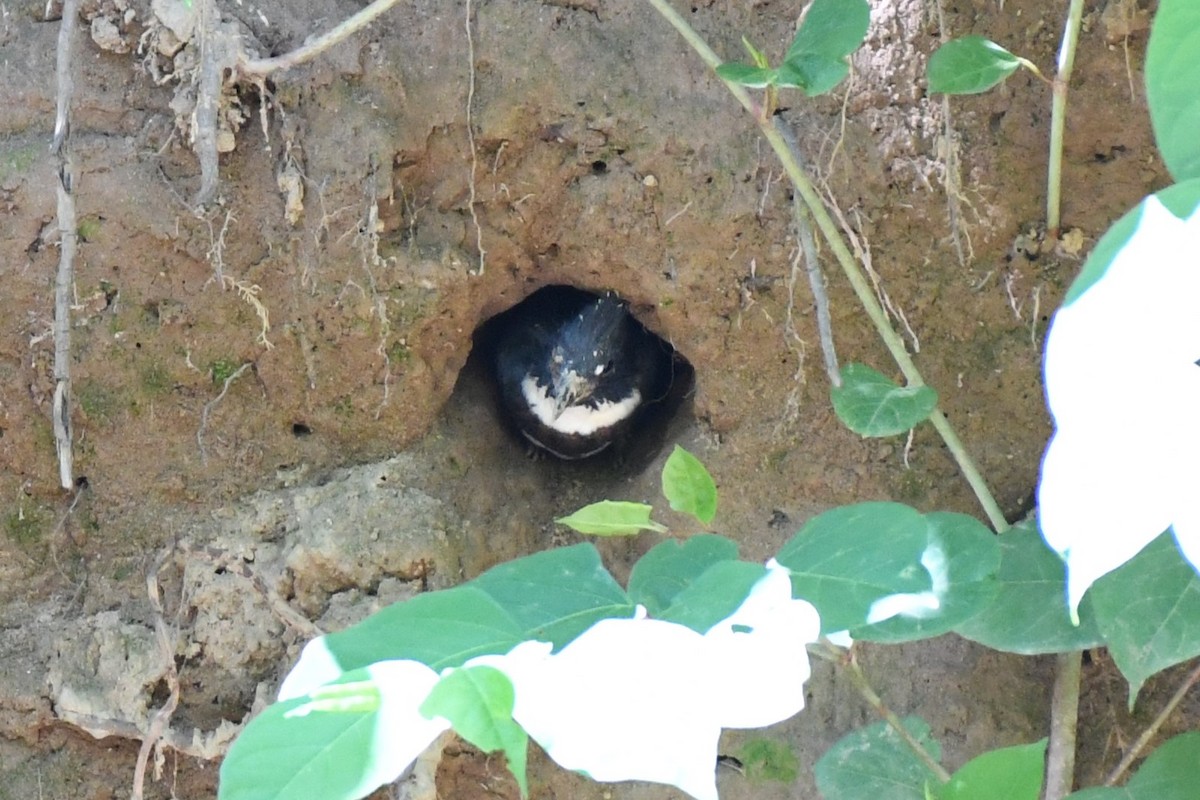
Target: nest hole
{"x": 656, "y": 420}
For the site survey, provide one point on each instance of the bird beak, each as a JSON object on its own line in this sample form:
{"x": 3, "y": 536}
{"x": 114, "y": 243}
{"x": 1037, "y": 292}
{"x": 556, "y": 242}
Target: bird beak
{"x": 569, "y": 388}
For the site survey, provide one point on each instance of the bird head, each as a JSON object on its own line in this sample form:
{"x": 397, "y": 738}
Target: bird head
{"x": 582, "y": 359}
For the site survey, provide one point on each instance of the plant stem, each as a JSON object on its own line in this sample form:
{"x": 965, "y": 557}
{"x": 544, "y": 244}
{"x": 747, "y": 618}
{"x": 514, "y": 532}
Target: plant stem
{"x": 1064, "y": 720}
{"x": 1064, "y": 709}
{"x": 1058, "y": 114}
{"x": 858, "y": 281}
{"x": 848, "y": 660}
{"x": 309, "y": 50}
{"x": 1153, "y": 728}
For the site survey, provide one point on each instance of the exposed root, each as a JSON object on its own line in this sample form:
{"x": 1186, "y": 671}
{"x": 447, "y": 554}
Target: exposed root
{"x": 471, "y": 142}
{"x": 166, "y": 638}
{"x": 210, "y": 405}
{"x": 68, "y": 238}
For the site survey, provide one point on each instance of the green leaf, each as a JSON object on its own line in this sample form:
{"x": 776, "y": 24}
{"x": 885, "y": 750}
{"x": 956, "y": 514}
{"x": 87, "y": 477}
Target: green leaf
{"x": 612, "y": 518}
{"x": 746, "y": 75}
{"x": 870, "y": 404}
{"x": 756, "y": 55}
{"x": 831, "y": 28}
{"x": 815, "y": 75}
{"x": 671, "y": 566}
{"x": 1182, "y": 199}
{"x": 688, "y": 487}
{"x": 970, "y": 555}
{"x": 769, "y": 760}
{"x": 846, "y": 559}
{"x": 555, "y": 595}
{"x": 335, "y": 745}
{"x": 1149, "y": 612}
{"x": 969, "y": 65}
{"x": 1169, "y": 773}
{"x": 478, "y": 702}
{"x": 873, "y": 763}
{"x": 551, "y": 596}
{"x": 1028, "y": 614}
{"x": 1172, "y": 75}
{"x": 714, "y": 595}
{"x": 1010, "y": 773}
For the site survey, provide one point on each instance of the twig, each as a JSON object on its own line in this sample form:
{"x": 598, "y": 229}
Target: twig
{"x": 210, "y": 405}
{"x": 68, "y": 240}
{"x": 471, "y": 141}
{"x": 951, "y": 179}
{"x": 166, "y": 640}
{"x": 677, "y": 214}
{"x": 208, "y": 746}
{"x": 1064, "y": 720}
{"x": 208, "y": 102}
{"x": 314, "y": 47}
{"x": 848, "y": 660}
{"x": 816, "y": 283}
{"x": 1058, "y": 114}
{"x": 1152, "y": 729}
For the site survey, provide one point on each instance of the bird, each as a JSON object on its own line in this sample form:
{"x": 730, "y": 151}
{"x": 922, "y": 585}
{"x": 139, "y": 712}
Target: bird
{"x": 576, "y": 371}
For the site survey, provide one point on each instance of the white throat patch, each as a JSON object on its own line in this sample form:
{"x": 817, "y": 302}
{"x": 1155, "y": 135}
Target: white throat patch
{"x": 581, "y": 420}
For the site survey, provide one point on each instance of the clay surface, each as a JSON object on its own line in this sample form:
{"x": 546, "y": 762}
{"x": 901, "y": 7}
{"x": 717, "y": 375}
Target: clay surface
{"x": 275, "y": 398}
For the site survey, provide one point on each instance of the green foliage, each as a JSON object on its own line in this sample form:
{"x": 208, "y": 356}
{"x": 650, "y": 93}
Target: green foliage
{"x": 970, "y": 65}
{"x": 25, "y": 526}
{"x": 222, "y": 369}
{"x": 612, "y": 518}
{"x": 311, "y": 747}
{"x": 1172, "y": 75}
{"x": 873, "y": 763}
{"x": 1029, "y": 612}
{"x": 688, "y": 487}
{"x": 88, "y": 228}
{"x": 880, "y": 571}
{"x": 1168, "y": 774}
{"x": 816, "y": 60}
{"x": 1149, "y": 612}
{"x": 711, "y": 596}
{"x": 885, "y": 572}
{"x": 671, "y": 566}
{"x": 155, "y": 379}
{"x": 478, "y": 702}
{"x": 769, "y": 760}
{"x": 550, "y": 596}
{"x": 98, "y": 401}
{"x": 870, "y": 404}
{"x": 1010, "y": 773}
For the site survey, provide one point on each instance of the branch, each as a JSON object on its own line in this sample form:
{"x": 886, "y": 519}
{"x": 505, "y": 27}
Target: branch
{"x": 1058, "y": 116}
{"x": 1064, "y": 723}
{"x": 849, "y": 661}
{"x": 1153, "y": 728}
{"x": 259, "y": 67}
{"x": 68, "y": 241}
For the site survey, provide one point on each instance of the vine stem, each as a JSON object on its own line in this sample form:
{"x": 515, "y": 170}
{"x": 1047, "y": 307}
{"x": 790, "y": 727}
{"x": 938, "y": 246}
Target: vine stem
{"x": 1064, "y": 719}
{"x": 1058, "y": 117}
{"x": 858, "y": 281}
{"x": 1152, "y": 729}
{"x": 262, "y": 67}
{"x": 849, "y": 660}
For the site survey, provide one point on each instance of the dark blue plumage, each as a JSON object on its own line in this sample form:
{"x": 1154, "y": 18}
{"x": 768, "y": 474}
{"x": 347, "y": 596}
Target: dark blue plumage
{"x": 577, "y": 371}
